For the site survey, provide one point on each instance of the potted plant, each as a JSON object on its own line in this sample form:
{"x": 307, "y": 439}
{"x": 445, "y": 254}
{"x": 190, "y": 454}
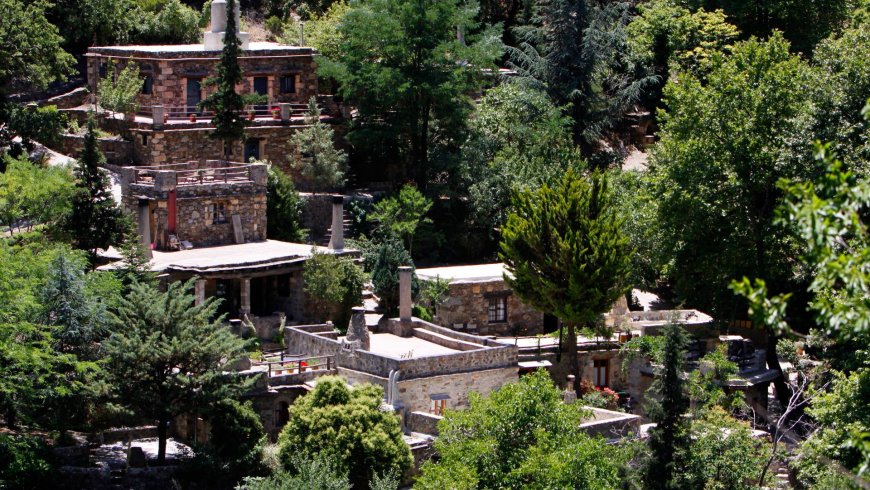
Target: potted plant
{"x": 276, "y": 113}
{"x": 252, "y": 101}
{"x": 192, "y": 117}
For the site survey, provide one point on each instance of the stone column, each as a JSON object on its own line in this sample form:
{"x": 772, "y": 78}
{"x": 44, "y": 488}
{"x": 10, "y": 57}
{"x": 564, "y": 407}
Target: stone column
{"x": 245, "y": 296}
{"x": 336, "y": 239}
{"x": 357, "y": 330}
{"x": 199, "y": 291}
{"x": 157, "y": 115}
{"x": 405, "y": 293}
{"x": 145, "y": 226}
{"x": 285, "y": 111}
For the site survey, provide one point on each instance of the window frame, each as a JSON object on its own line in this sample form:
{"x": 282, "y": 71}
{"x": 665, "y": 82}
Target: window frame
{"x": 281, "y": 85}
{"x": 601, "y": 366}
{"x": 218, "y": 213}
{"x": 497, "y": 309}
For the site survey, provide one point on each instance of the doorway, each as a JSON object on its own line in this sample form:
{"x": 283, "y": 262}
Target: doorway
{"x": 194, "y": 95}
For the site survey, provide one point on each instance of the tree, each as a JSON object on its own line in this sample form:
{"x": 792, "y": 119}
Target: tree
{"x": 33, "y": 124}
{"x": 724, "y": 146}
{"x": 317, "y": 473}
{"x": 401, "y": 64}
{"x": 227, "y": 104}
{"x": 347, "y": 427}
{"x": 336, "y": 283}
{"x": 167, "y": 356}
{"x": 399, "y": 216}
{"x": 95, "y": 22}
{"x": 521, "y": 436}
{"x": 670, "y": 436}
{"x": 135, "y": 265}
{"x": 321, "y": 163}
{"x": 565, "y": 254}
{"x": 169, "y": 22}
{"x": 120, "y": 93}
{"x": 31, "y": 195}
{"x": 283, "y": 208}
{"x": 569, "y": 49}
{"x": 96, "y": 221}
{"x": 390, "y": 254}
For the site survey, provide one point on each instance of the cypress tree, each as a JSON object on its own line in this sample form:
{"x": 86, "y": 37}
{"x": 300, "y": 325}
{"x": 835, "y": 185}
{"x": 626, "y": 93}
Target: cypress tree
{"x": 671, "y": 432}
{"x": 565, "y": 252}
{"x": 96, "y": 221}
{"x": 227, "y": 104}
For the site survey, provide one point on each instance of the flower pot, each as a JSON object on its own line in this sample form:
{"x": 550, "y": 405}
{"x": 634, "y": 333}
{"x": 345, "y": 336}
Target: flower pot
{"x": 276, "y": 114}
{"x": 193, "y": 118}
{"x": 251, "y": 116}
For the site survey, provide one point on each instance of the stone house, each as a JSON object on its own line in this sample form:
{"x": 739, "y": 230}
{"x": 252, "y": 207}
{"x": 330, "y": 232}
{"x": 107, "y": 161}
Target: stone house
{"x": 171, "y": 127}
{"x": 479, "y": 301}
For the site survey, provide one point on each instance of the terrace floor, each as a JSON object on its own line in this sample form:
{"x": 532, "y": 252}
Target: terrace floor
{"x": 393, "y": 345}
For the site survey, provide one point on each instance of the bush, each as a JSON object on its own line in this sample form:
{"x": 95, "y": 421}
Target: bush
{"x": 345, "y": 426}
{"x": 336, "y": 283}
{"x": 385, "y": 273}
{"x": 25, "y": 463}
{"x": 283, "y": 208}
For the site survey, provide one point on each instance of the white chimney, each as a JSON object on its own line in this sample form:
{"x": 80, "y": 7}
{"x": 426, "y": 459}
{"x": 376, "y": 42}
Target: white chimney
{"x": 336, "y": 240}
{"x": 405, "y": 293}
{"x": 214, "y": 39}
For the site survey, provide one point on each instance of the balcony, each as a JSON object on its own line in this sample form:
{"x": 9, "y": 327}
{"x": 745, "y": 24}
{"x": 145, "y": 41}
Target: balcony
{"x": 187, "y": 117}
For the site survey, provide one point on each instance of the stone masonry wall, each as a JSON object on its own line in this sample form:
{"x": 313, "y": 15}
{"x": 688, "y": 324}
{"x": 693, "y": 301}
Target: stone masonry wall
{"x": 468, "y": 303}
{"x": 415, "y": 393}
{"x": 117, "y": 151}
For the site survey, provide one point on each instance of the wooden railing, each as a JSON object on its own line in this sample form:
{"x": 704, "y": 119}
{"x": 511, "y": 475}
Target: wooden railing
{"x": 231, "y": 173}
{"x": 298, "y": 365}
{"x": 195, "y": 113}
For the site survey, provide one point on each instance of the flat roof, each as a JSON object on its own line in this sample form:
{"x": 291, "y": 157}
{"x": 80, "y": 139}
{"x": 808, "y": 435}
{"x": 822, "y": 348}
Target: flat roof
{"x": 464, "y": 273}
{"x": 194, "y": 48}
{"x": 393, "y": 345}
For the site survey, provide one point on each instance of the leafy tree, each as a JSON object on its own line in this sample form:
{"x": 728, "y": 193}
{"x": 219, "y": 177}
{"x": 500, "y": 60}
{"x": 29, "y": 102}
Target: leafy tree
{"x": 722, "y": 455}
{"x": 724, "y": 146}
{"x": 399, "y": 216}
{"x": 347, "y": 427}
{"x": 120, "y": 93}
{"x": 521, "y": 436}
{"x": 565, "y": 253}
{"x": 31, "y": 52}
{"x": 322, "y": 31}
{"x": 320, "y": 162}
{"x": 517, "y": 139}
{"x": 32, "y": 195}
{"x": 26, "y": 361}
{"x": 32, "y": 124}
{"x": 401, "y": 64}
{"x": 335, "y": 282}
{"x": 169, "y": 22}
{"x": 26, "y": 462}
{"x": 96, "y": 221}
{"x": 390, "y": 254}
{"x": 317, "y": 473}
{"x": 670, "y": 437}
{"x": 227, "y": 104}
{"x": 167, "y": 356}
{"x": 569, "y": 49}
{"x": 95, "y": 22}
{"x": 283, "y": 208}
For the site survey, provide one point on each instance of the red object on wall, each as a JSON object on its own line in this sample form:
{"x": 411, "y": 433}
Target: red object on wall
{"x": 172, "y": 211}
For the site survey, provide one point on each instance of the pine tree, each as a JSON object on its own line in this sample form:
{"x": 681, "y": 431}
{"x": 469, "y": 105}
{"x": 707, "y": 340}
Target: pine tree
{"x": 96, "y": 221}
{"x": 391, "y": 254}
{"x": 565, "y": 252}
{"x": 227, "y": 104}
{"x": 322, "y": 164}
{"x": 283, "y": 208}
{"x": 167, "y": 356}
{"x": 135, "y": 265}
{"x": 671, "y": 433}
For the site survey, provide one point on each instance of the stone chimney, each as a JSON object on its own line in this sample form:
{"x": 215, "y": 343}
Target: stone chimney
{"x": 405, "y": 293}
{"x": 214, "y": 39}
{"x": 336, "y": 240}
{"x": 570, "y": 394}
{"x": 357, "y": 330}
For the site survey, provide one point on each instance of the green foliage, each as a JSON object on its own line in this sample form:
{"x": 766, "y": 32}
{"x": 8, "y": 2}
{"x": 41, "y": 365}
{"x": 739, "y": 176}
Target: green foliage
{"x": 521, "y": 436}
{"x": 669, "y": 439}
{"x": 517, "y": 139}
{"x": 26, "y": 462}
{"x": 225, "y": 102}
{"x": 169, "y": 22}
{"x": 309, "y": 474}
{"x": 722, "y": 455}
{"x": 135, "y": 265}
{"x": 119, "y": 93}
{"x": 399, "y": 216}
{"x": 321, "y": 164}
{"x": 345, "y": 426}
{"x": 705, "y": 384}
{"x": 565, "y": 253}
{"x": 283, "y": 208}
{"x": 167, "y": 356}
{"x": 236, "y": 441}
{"x": 432, "y": 294}
{"x": 389, "y": 255}
{"x": 30, "y": 194}
{"x": 335, "y": 282}
{"x": 31, "y": 52}
{"x": 32, "y": 124}
{"x": 95, "y": 22}
{"x": 402, "y": 66}
{"x": 651, "y": 346}
{"x": 96, "y": 221}
{"x": 322, "y": 31}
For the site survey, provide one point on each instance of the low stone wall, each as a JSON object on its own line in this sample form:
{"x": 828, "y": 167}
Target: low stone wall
{"x": 317, "y": 214}
{"x": 422, "y": 422}
{"x": 73, "y": 98}
{"x": 468, "y": 304}
{"x": 117, "y": 151}
{"x": 611, "y": 424}
{"x": 299, "y": 341}
{"x": 121, "y": 434}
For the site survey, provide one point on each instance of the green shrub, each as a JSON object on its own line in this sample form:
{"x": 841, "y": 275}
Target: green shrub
{"x": 25, "y": 463}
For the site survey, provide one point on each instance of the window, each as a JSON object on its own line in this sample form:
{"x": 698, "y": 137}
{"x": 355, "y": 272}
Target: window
{"x": 600, "y": 372}
{"x": 288, "y": 84}
{"x": 102, "y": 69}
{"x": 439, "y": 403}
{"x": 498, "y": 309}
{"x": 147, "y": 85}
{"x": 282, "y": 414}
{"x": 218, "y": 214}
{"x": 261, "y": 85}
{"x": 144, "y": 139}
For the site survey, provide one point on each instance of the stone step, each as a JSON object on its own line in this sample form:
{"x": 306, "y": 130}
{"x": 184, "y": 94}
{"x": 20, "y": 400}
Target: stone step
{"x": 445, "y": 340}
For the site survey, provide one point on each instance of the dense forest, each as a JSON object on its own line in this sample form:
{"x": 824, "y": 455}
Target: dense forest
{"x": 716, "y": 153}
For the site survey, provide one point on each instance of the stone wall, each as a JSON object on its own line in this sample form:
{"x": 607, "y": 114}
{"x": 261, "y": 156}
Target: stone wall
{"x": 422, "y": 422}
{"x": 116, "y": 150}
{"x": 170, "y": 70}
{"x": 611, "y": 424}
{"x": 468, "y": 304}
{"x": 415, "y": 393}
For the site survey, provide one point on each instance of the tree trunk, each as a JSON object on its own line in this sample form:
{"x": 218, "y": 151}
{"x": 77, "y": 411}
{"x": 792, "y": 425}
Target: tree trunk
{"x": 572, "y": 356}
{"x": 161, "y": 440}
